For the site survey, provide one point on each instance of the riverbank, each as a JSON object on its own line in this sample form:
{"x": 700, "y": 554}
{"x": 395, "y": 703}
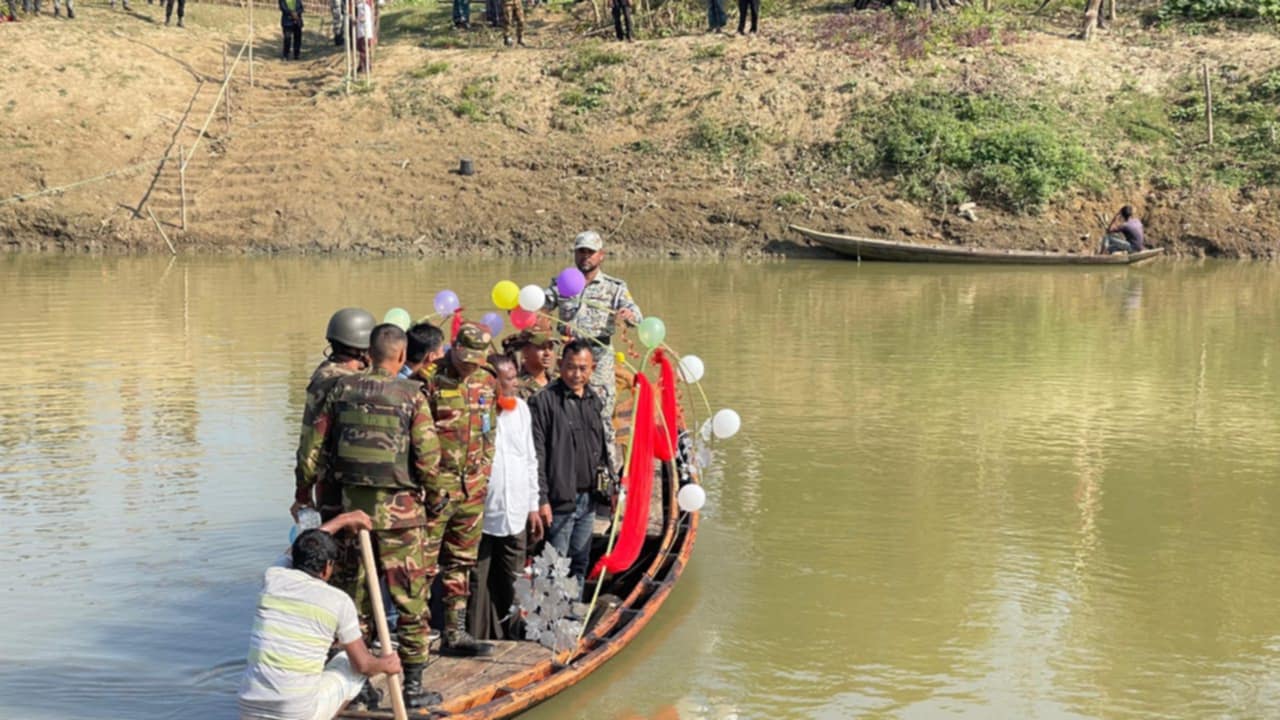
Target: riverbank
{"x": 692, "y": 144}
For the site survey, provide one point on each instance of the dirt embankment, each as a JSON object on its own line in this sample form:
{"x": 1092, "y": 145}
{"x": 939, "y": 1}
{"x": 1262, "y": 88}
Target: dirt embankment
{"x": 689, "y": 145}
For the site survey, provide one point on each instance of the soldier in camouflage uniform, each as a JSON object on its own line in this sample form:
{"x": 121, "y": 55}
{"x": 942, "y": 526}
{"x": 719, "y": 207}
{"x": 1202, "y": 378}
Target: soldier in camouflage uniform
{"x": 592, "y": 315}
{"x": 381, "y": 447}
{"x": 536, "y": 357}
{"x": 462, "y": 395}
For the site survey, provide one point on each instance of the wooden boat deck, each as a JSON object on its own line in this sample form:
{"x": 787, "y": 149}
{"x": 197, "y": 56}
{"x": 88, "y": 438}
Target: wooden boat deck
{"x": 521, "y": 674}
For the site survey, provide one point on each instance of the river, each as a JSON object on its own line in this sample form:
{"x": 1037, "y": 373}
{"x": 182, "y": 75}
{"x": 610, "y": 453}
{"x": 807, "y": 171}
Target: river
{"x": 958, "y": 492}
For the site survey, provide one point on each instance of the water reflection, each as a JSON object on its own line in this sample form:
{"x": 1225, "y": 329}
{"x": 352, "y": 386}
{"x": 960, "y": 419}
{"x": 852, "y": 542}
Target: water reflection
{"x": 986, "y": 492}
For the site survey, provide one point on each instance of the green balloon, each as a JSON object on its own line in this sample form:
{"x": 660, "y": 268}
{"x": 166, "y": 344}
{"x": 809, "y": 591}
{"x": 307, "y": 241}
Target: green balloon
{"x": 652, "y": 332}
{"x": 398, "y": 317}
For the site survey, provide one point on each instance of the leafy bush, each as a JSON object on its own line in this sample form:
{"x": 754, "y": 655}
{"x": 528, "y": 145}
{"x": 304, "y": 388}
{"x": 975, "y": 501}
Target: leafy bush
{"x": 725, "y": 141}
{"x": 1212, "y": 9}
{"x": 948, "y": 148}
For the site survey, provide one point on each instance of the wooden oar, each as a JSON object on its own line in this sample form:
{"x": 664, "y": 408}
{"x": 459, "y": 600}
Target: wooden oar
{"x": 380, "y": 619}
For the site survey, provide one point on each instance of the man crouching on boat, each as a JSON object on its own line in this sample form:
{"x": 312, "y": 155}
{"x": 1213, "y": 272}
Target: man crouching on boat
{"x": 298, "y": 616}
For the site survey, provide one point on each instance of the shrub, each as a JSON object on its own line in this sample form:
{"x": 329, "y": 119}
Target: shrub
{"x": 724, "y": 141}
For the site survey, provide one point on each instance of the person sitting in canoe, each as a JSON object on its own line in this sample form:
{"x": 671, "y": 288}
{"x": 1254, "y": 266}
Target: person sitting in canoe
{"x": 298, "y": 616}
{"x": 1124, "y": 234}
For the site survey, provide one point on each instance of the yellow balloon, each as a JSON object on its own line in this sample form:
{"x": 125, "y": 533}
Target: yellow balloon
{"x": 506, "y": 295}
{"x": 621, "y": 358}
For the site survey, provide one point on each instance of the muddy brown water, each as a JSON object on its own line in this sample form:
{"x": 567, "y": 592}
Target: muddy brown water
{"x": 958, "y": 492}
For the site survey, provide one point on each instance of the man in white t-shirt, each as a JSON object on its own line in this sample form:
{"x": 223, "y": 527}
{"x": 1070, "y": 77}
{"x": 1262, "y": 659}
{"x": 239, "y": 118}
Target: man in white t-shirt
{"x": 511, "y": 517}
{"x": 298, "y": 616}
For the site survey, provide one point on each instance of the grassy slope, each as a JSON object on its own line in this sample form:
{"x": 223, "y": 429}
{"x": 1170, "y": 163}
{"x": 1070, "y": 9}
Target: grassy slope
{"x": 872, "y": 122}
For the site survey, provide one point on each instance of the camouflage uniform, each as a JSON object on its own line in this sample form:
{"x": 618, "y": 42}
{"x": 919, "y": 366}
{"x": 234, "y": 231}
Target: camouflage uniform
{"x": 329, "y": 493}
{"x": 512, "y": 16}
{"x": 465, "y": 421}
{"x": 591, "y": 315}
{"x": 382, "y": 449}
{"x": 530, "y": 387}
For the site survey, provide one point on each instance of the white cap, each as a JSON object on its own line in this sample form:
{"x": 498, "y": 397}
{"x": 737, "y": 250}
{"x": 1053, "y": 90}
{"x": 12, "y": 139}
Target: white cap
{"x": 589, "y": 239}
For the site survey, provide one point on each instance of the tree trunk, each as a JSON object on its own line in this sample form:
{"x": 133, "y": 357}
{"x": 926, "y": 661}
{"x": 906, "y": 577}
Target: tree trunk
{"x": 1091, "y": 13}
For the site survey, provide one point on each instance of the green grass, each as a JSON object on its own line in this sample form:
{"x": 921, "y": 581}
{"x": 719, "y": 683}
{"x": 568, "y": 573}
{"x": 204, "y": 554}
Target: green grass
{"x": 586, "y": 60}
{"x": 724, "y": 141}
{"x": 944, "y": 148}
{"x": 709, "y": 52}
{"x": 790, "y": 199}
{"x": 430, "y": 69}
{"x": 586, "y": 99}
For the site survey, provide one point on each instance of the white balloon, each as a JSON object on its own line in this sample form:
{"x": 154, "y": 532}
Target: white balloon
{"x": 725, "y": 424}
{"x": 691, "y": 497}
{"x": 705, "y": 431}
{"x": 532, "y": 298}
{"x": 691, "y": 368}
{"x": 703, "y": 457}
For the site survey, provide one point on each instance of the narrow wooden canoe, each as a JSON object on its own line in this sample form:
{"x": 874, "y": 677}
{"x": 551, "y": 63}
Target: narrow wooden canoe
{"x": 871, "y": 249}
{"x": 522, "y": 674}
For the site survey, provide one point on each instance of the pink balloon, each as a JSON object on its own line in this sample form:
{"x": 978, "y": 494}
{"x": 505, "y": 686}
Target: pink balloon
{"x": 522, "y": 318}
{"x": 570, "y": 282}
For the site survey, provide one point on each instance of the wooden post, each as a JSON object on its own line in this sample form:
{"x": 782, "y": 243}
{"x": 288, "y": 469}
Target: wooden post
{"x": 182, "y": 186}
{"x": 251, "y": 43}
{"x": 380, "y": 619}
{"x": 173, "y": 252}
{"x": 1208, "y": 100}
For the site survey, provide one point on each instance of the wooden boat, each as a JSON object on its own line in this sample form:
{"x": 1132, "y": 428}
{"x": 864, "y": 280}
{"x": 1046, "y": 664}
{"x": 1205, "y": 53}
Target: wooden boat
{"x": 521, "y": 674}
{"x": 871, "y": 249}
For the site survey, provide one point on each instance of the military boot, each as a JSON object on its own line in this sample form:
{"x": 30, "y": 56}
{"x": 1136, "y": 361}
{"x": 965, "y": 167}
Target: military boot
{"x": 416, "y": 696}
{"x": 460, "y": 643}
{"x": 368, "y": 698}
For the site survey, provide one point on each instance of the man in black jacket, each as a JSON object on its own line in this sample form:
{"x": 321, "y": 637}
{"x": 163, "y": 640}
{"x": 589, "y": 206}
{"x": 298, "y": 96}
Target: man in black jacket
{"x": 568, "y": 434}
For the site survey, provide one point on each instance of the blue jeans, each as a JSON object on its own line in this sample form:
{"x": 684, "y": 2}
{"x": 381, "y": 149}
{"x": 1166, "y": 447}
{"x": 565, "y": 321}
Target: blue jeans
{"x": 461, "y": 11}
{"x": 570, "y": 534}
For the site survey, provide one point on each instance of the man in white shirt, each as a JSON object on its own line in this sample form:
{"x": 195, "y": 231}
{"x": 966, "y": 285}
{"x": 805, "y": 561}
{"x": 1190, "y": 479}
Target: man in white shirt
{"x": 298, "y": 616}
{"x": 511, "y": 517}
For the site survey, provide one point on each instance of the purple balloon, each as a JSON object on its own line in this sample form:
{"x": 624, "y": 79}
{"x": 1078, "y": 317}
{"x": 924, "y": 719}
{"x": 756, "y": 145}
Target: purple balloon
{"x": 570, "y": 282}
{"x": 494, "y": 321}
{"x": 446, "y": 302}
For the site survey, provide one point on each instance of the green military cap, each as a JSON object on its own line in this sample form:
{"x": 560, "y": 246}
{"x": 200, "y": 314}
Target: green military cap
{"x": 472, "y": 343}
{"x": 537, "y": 336}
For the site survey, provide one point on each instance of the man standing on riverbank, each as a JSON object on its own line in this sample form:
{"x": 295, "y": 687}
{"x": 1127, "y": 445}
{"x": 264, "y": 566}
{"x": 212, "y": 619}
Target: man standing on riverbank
{"x": 290, "y": 25}
{"x": 462, "y": 398}
{"x": 382, "y": 448}
{"x": 592, "y": 316}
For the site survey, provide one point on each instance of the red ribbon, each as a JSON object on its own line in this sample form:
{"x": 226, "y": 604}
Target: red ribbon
{"x": 639, "y": 484}
{"x": 664, "y": 446}
{"x": 456, "y": 325}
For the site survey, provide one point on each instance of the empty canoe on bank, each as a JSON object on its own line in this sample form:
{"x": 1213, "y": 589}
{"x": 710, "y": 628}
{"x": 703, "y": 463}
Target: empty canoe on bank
{"x": 521, "y": 674}
{"x": 870, "y": 249}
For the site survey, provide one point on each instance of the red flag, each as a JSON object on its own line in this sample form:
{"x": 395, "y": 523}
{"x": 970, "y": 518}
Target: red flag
{"x": 639, "y": 486}
{"x": 664, "y": 441}
{"x": 457, "y": 323}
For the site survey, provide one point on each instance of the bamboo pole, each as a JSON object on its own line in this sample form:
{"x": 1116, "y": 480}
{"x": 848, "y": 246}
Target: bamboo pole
{"x": 226, "y": 82}
{"x": 251, "y": 43}
{"x": 182, "y": 187}
{"x": 166, "y": 237}
{"x": 1208, "y": 100}
{"x": 380, "y": 619}
{"x": 214, "y": 110}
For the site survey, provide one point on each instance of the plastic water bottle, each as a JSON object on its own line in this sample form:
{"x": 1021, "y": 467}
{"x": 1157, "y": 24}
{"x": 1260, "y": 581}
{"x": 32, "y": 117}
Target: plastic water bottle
{"x": 308, "y": 519}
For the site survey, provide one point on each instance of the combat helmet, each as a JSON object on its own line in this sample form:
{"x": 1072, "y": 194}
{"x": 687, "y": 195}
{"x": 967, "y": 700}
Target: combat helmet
{"x": 350, "y": 327}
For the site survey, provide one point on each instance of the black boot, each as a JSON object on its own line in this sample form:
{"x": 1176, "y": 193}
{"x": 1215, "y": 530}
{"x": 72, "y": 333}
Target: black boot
{"x": 415, "y": 696}
{"x": 337, "y": 39}
{"x": 460, "y": 643}
{"x": 369, "y": 698}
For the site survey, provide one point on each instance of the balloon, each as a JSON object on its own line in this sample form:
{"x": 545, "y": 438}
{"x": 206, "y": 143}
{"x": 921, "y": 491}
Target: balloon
{"x": 691, "y": 497}
{"x": 652, "y": 332}
{"x": 725, "y": 424}
{"x": 705, "y": 431}
{"x": 446, "y": 302}
{"x": 398, "y": 317}
{"x": 570, "y": 282}
{"x": 691, "y": 368}
{"x": 506, "y": 295}
{"x": 532, "y": 298}
{"x": 494, "y": 321}
{"x": 522, "y": 318}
